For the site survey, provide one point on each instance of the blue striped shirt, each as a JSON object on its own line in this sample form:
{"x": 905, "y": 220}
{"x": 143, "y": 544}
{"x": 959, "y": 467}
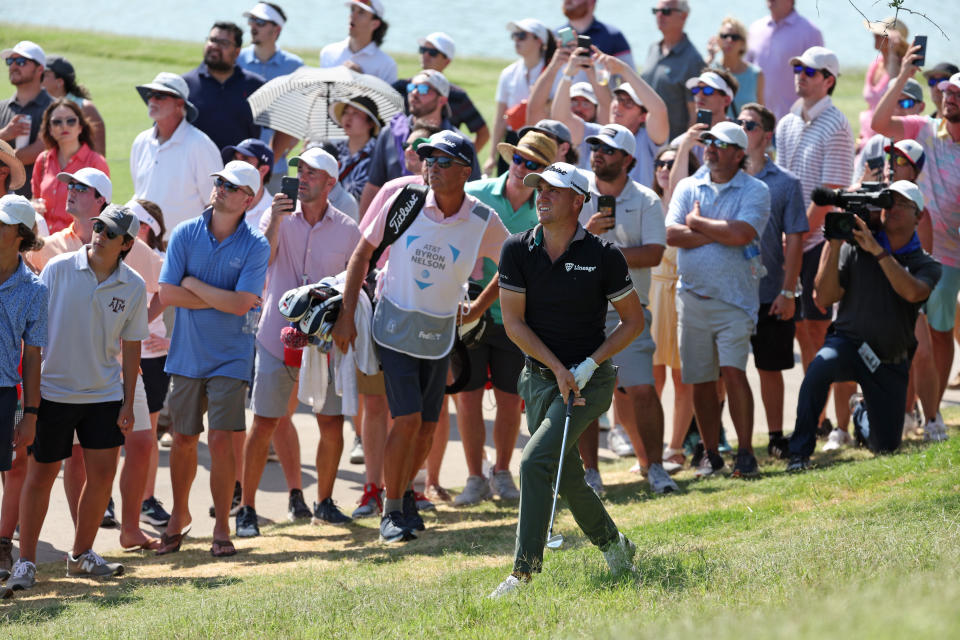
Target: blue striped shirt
{"x": 23, "y": 318}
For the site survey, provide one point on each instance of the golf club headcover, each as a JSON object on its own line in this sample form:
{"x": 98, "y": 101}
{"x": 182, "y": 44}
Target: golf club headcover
{"x": 295, "y": 302}
{"x": 583, "y": 372}
{"x": 293, "y": 338}
{"x": 318, "y": 314}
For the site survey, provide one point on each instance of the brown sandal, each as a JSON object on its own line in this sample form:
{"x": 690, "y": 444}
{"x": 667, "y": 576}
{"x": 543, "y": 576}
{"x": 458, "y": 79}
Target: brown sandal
{"x": 222, "y": 549}
{"x": 171, "y": 543}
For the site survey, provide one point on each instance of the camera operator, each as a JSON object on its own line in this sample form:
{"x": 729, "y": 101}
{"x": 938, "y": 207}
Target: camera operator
{"x": 884, "y": 275}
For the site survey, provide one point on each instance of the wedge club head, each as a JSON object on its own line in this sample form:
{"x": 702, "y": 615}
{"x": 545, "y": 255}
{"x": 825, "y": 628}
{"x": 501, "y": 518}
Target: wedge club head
{"x": 555, "y": 542}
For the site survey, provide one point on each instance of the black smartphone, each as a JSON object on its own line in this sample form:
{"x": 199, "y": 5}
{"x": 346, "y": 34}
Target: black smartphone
{"x": 289, "y": 187}
{"x": 922, "y": 54}
{"x": 704, "y": 116}
{"x": 584, "y": 42}
{"x": 607, "y": 205}
{"x": 875, "y": 164}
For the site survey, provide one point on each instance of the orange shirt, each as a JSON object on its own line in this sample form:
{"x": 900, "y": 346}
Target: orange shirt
{"x": 53, "y": 192}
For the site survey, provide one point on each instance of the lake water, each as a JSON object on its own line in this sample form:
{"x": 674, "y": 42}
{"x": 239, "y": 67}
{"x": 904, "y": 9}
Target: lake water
{"x": 479, "y": 27}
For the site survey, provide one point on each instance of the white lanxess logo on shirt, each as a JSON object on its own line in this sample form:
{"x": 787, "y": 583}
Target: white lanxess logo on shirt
{"x": 569, "y": 266}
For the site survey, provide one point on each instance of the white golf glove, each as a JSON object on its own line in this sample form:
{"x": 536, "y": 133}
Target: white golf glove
{"x": 583, "y": 372}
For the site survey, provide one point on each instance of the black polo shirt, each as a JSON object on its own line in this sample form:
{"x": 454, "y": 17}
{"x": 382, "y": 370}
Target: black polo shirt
{"x": 567, "y": 300}
{"x": 224, "y": 113}
{"x": 34, "y": 108}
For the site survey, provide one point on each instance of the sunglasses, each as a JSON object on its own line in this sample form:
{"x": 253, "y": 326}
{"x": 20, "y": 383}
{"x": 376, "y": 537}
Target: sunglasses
{"x": 807, "y": 71}
{"x": 707, "y": 91}
{"x": 430, "y": 51}
{"x": 731, "y": 36}
{"x": 158, "y": 95}
{"x": 79, "y": 188}
{"x": 519, "y": 36}
{"x": 748, "y": 125}
{"x": 260, "y": 22}
{"x": 660, "y": 164}
{"x": 605, "y": 149}
{"x": 443, "y": 162}
{"x": 532, "y": 165}
{"x": 220, "y": 183}
{"x": 906, "y": 103}
{"x": 898, "y": 160}
{"x": 931, "y": 82}
{"x": 422, "y": 88}
{"x": 99, "y": 226}
{"x": 665, "y": 12}
{"x": 20, "y": 62}
{"x": 719, "y": 144}
{"x": 222, "y": 42}
{"x": 64, "y": 122}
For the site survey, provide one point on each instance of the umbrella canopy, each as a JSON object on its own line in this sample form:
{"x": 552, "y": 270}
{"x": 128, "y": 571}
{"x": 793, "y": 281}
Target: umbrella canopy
{"x": 298, "y": 103}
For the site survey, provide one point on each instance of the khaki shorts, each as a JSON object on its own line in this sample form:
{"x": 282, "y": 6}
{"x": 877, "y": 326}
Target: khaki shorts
{"x": 221, "y": 398}
{"x": 713, "y": 334}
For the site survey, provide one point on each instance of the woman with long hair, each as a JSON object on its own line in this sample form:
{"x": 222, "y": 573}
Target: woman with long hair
{"x": 731, "y": 41}
{"x": 60, "y": 81}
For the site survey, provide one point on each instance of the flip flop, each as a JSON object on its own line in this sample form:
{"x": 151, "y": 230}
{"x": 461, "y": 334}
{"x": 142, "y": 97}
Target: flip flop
{"x": 152, "y": 544}
{"x": 171, "y": 543}
{"x": 222, "y": 549}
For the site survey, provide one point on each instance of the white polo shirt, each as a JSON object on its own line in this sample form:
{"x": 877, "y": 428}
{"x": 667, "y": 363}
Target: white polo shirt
{"x": 87, "y": 320}
{"x": 371, "y": 59}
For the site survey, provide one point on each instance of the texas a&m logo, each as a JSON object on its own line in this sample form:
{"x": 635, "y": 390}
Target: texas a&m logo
{"x": 117, "y": 305}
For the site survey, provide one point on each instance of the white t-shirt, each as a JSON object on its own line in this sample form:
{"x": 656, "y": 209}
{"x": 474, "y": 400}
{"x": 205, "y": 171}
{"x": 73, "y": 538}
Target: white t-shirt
{"x": 516, "y": 81}
{"x": 371, "y": 59}
{"x": 255, "y": 213}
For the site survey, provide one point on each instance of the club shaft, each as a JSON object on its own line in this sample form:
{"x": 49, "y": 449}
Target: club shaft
{"x": 563, "y": 448}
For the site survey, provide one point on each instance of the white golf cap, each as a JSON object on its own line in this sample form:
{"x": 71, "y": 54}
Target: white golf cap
{"x": 563, "y": 175}
{"x": 711, "y": 79}
{"x": 727, "y": 131}
{"x": 441, "y": 41}
{"x": 26, "y": 49}
{"x": 119, "y": 219}
{"x": 627, "y": 88}
{"x": 373, "y": 6}
{"x": 616, "y": 136}
{"x": 166, "y": 82}
{"x": 242, "y": 174}
{"x": 908, "y": 190}
{"x": 819, "y": 58}
{"x": 263, "y": 11}
{"x": 144, "y": 216}
{"x": 435, "y": 79}
{"x": 910, "y": 149}
{"x": 584, "y": 90}
{"x": 92, "y": 178}
{"x": 319, "y": 159}
{"x": 16, "y": 209}
{"x": 530, "y": 25}
{"x": 954, "y": 81}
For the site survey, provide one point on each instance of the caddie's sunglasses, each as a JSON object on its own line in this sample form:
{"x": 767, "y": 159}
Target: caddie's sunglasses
{"x": 665, "y": 12}
{"x": 605, "y": 149}
{"x": 20, "y": 62}
{"x": 532, "y": 165}
{"x": 807, "y": 71}
{"x": 223, "y": 184}
{"x": 422, "y": 88}
{"x": 519, "y": 36}
{"x": 99, "y": 226}
{"x": 430, "y": 51}
{"x": 442, "y": 162}
{"x": 707, "y": 91}
{"x": 906, "y": 103}
{"x": 748, "y": 125}
{"x": 719, "y": 144}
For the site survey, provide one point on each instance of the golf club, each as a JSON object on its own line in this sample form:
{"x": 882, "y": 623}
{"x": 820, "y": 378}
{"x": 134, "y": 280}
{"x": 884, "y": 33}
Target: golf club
{"x": 556, "y": 541}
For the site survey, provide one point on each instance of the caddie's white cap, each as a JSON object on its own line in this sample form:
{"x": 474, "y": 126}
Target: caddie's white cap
{"x": 435, "y": 79}
{"x": 819, "y": 58}
{"x": 908, "y": 190}
{"x": 583, "y": 90}
{"x": 144, "y": 216}
{"x": 530, "y": 25}
{"x": 563, "y": 175}
{"x": 727, "y": 131}
{"x": 26, "y": 49}
{"x": 441, "y": 41}
{"x": 263, "y": 11}
{"x": 92, "y": 178}
{"x": 616, "y": 136}
{"x": 373, "y": 6}
{"x": 16, "y": 209}
{"x": 242, "y": 174}
{"x": 319, "y": 159}
{"x": 954, "y": 81}
{"x": 711, "y": 79}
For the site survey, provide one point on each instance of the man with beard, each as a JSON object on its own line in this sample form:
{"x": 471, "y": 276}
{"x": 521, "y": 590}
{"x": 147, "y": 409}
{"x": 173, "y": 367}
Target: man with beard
{"x": 22, "y": 114}
{"x": 605, "y": 37}
{"x": 219, "y": 88}
{"x": 940, "y": 185}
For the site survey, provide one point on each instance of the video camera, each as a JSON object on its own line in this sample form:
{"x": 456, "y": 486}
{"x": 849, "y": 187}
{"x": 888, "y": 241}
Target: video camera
{"x": 839, "y": 225}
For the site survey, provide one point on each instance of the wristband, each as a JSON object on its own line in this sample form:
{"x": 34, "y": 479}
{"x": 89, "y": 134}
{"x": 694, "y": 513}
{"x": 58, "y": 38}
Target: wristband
{"x": 34, "y": 410}
{"x": 883, "y": 254}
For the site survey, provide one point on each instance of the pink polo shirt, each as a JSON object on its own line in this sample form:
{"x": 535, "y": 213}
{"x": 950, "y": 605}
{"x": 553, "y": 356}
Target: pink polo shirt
{"x": 53, "y": 192}
{"x": 305, "y": 254}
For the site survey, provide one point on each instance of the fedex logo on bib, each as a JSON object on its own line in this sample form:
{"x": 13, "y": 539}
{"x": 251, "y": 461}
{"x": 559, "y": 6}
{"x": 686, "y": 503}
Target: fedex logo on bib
{"x": 429, "y": 260}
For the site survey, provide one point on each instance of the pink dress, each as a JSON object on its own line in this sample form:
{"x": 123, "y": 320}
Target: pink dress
{"x": 872, "y": 94}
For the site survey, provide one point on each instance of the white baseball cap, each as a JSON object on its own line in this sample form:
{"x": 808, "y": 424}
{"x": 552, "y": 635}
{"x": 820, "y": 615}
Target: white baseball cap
{"x": 16, "y": 209}
{"x": 727, "y": 131}
{"x": 910, "y": 149}
{"x": 819, "y": 58}
{"x": 711, "y": 79}
{"x": 441, "y": 41}
{"x": 908, "y": 190}
{"x": 242, "y": 174}
{"x": 953, "y": 81}
{"x": 319, "y": 159}
{"x": 435, "y": 79}
{"x": 530, "y": 25}
{"x": 616, "y": 136}
{"x": 627, "y": 88}
{"x": 373, "y": 6}
{"x": 26, "y": 49}
{"x": 91, "y": 177}
{"x": 583, "y": 90}
{"x": 263, "y": 11}
{"x": 563, "y": 175}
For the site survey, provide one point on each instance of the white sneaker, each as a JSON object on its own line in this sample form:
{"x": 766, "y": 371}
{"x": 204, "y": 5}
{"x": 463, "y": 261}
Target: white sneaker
{"x": 909, "y": 424}
{"x": 619, "y": 556}
{"x": 592, "y": 478}
{"x": 476, "y": 490}
{"x": 502, "y": 485}
{"x": 166, "y": 440}
{"x": 89, "y": 564}
{"x": 837, "y": 439}
{"x": 507, "y": 587}
{"x": 604, "y": 421}
{"x": 24, "y": 576}
{"x": 669, "y": 465}
{"x": 659, "y": 480}
{"x": 935, "y": 430}
{"x": 619, "y": 443}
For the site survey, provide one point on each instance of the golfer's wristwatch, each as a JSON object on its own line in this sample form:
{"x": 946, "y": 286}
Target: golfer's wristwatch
{"x": 786, "y": 293}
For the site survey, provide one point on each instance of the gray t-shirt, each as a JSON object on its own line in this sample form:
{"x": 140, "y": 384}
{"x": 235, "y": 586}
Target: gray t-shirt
{"x": 668, "y": 74}
{"x": 787, "y": 215}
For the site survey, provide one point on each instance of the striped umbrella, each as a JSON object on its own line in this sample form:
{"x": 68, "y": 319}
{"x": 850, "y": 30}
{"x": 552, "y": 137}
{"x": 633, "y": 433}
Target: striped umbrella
{"x": 298, "y": 103}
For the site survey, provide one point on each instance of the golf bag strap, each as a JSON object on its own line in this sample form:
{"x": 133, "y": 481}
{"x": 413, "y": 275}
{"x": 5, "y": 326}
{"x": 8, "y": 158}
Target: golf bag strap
{"x": 406, "y": 206}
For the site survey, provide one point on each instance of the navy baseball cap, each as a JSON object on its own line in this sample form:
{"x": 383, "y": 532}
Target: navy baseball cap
{"x": 253, "y": 147}
{"x": 450, "y": 142}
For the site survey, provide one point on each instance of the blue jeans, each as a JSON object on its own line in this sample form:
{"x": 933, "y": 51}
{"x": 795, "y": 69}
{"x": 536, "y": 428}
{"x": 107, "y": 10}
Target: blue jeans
{"x": 884, "y": 394}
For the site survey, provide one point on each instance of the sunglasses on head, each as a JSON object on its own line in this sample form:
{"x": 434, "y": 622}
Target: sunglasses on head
{"x": 443, "y": 162}
{"x": 78, "y": 187}
{"x": 430, "y": 51}
{"x": 660, "y": 164}
{"x": 20, "y": 62}
{"x": 99, "y": 226}
{"x": 707, "y": 91}
{"x": 665, "y": 12}
{"x": 719, "y": 144}
{"x": 64, "y": 122}
{"x": 731, "y": 36}
{"x": 605, "y": 149}
{"x": 532, "y": 165}
{"x": 748, "y": 125}
{"x": 519, "y": 36}
{"x": 807, "y": 71}
{"x": 224, "y": 184}
{"x": 906, "y": 103}
{"x": 931, "y": 82}
{"x": 421, "y": 87}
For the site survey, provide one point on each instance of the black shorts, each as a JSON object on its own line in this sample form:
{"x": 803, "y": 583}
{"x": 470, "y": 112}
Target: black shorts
{"x": 156, "y": 382}
{"x": 495, "y": 360}
{"x": 414, "y": 385}
{"x": 95, "y": 425}
{"x": 8, "y": 414}
{"x": 773, "y": 341}
{"x": 806, "y": 308}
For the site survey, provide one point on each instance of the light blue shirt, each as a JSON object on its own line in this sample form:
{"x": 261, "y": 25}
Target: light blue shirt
{"x": 23, "y": 318}
{"x": 208, "y": 342}
{"x": 716, "y": 270}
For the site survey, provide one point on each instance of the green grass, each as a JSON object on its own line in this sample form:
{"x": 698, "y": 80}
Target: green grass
{"x": 110, "y": 66}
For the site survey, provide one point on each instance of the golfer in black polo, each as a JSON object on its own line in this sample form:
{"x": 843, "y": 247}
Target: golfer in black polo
{"x": 556, "y": 281}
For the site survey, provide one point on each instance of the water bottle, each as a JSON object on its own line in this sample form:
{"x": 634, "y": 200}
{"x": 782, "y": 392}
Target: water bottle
{"x": 23, "y": 140}
{"x": 751, "y": 253}
{"x": 251, "y": 320}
